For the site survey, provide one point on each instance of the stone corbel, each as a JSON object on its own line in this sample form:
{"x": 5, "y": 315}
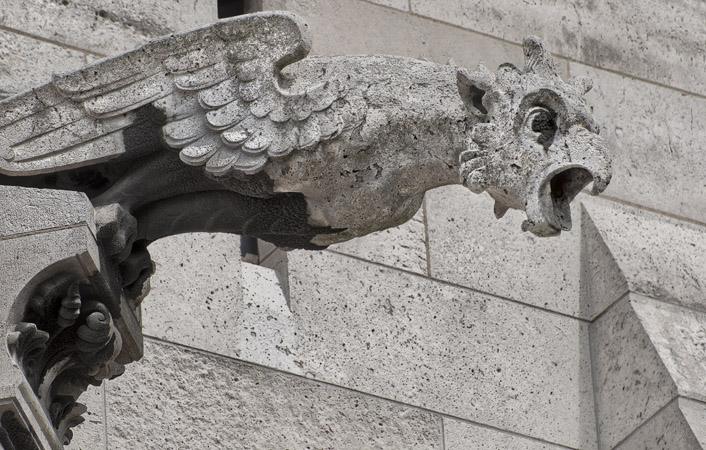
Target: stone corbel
{"x": 67, "y": 326}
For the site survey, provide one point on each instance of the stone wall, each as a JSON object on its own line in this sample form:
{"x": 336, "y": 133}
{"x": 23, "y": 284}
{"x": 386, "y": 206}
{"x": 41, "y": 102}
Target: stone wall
{"x": 455, "y": 330}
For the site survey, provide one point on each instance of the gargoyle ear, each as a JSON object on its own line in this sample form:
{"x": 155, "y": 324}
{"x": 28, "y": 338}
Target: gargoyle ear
{"x": 472, "y": 88}
{"x": 538, "y": 59}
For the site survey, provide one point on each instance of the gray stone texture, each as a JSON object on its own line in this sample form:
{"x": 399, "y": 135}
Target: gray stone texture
{"x": 26, "y": 62}
{"x": 196, "y": 291}
{"x": 460, "y": 435}
{"x": 90, "y": 435}
{"x": 656, "y": 137}
{"x": 355, "y": 27}
{"x": 105, "y": 26}
{"x": 630, "y": 379}
{"x": 602, "y": 281}
{"x": 407, "y": 338}
{"x": 497, "y": 257}
{"x": 28, "y": 210}
{"x": 178, "y": 398}
{"x": 658, "y": 256}
{"x": 403, "y": 247}
{"x": 646, "y": 40}
{"x": 679, "y": 336}
{"x": 669, "y": 429}
{"x": 397, "y": 4}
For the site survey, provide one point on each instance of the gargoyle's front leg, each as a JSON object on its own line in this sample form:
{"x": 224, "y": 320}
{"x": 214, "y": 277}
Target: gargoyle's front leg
{"x": 116, "y": 233}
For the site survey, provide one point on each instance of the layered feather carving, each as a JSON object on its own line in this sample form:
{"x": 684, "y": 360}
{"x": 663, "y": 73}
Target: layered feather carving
{"x": 218, "y": 87}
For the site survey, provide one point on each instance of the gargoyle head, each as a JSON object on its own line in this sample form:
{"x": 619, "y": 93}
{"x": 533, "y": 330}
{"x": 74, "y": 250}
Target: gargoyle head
{"x": 536, "y": 145}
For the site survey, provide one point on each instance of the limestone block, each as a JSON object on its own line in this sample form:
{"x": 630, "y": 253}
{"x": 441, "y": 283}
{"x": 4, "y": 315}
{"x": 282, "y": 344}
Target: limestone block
{"x": 651, "y": 41}
{"x": 656, "y": 137}
{"x": 602, "y": 281}
{"x": 670, "y": 429}
{"x": 404, "y": 337}
{"x": 196, "y": 293}
{"x": 27, "y": 62}
{"x": 105, "y": 26}
{"x": 460, "y": 435}
{"x": 630, "y": 378}
{"x": 354, "y": 27}
{"x": 90, "y": 435}
{"x": 660, "y": 257}
{"x": 177, "y": 398}
{"x": 441, "y": 347}
{"x": 26, "y": 210}
{"x": 398, "y": 4}
{"x": 679, "y": 336}
{"x": 468, "y": 246}
{"x": 403, "y": 247}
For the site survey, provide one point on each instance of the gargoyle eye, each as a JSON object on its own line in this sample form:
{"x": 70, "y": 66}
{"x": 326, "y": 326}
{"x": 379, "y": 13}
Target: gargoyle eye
{"x": 543, "y": 121}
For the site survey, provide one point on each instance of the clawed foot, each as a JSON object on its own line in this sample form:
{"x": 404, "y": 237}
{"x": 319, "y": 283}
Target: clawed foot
{"x": 116, "y": 232}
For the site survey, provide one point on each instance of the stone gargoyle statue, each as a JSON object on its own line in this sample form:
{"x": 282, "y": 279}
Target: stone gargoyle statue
{"x": 301, "y": 152}
{"x": 230, "y": 128}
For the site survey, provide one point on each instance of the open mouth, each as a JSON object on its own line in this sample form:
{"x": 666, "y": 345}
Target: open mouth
{"x": 564, "y": 186}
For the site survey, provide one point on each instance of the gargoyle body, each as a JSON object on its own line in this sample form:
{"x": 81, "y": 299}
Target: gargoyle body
{"x": 230, "y": 128}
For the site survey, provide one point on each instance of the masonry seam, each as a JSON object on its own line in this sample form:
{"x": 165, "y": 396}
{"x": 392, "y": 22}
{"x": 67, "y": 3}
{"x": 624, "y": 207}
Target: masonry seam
{"x": 49, "y": 41}
{"x": 443, "y": 433}
{"x": 427, "y": 246}
{"x": 43, "y": 231}
{"x": 467, "y": 288}
{"x": 366, "y": 394}
{"x": 623, "y": 440}
{"x": 556, "y": 55}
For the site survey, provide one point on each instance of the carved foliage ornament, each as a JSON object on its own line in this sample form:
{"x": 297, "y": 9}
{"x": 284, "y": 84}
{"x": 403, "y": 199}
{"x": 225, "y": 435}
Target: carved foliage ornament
{"x": 65, "y": 343}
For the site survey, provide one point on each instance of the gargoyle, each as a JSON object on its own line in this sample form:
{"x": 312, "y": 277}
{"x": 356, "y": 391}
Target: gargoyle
{"x": 301, "y": 152}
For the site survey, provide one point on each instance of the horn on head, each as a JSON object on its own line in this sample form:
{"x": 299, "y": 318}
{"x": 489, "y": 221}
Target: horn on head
{"x": 537, "y": 58}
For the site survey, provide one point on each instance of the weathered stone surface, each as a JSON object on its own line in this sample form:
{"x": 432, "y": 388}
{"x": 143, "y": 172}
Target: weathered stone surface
{"x": 669, "y": 430}
{"x": 460, "y": 435}
{"x": 630, "y": 379}
{"x": 90, "y": 435}
{"x": 679, "y": 336}
{"x": 27, "y": 62}
{"x": 26, "y": 210}
{"x": 498, "y": 258}
{"x": 695, "y": 414}
{"x": 25, "y": 257}
{"x": 196, "y": 292}
{"x": 398, "y": 4}
{"x": 105, "y": 26}
{"x": 448, "y": 349}
{"x": 655, "y": 137}
{"x": 602, "y": 281}
{"x": 408, "y": 338}
{"x": 403, "y": 247}
{"x": 660, "y": 257}
{"x": 652, "y": 41}
{"x": 354, "y": 27}
{"x": 176, "y": 398}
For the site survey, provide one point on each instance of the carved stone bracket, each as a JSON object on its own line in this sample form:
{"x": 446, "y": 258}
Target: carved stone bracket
{"x": 69, "y": 320}
{"x": 66, "y": 342}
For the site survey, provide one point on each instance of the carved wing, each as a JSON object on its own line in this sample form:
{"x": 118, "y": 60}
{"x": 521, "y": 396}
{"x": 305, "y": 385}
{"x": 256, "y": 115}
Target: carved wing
{"x": 218, "y": 87}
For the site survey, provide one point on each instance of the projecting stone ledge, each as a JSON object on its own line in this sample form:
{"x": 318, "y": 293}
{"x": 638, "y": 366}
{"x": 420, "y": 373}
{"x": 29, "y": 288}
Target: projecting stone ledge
{"x": 643, "y": 279}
